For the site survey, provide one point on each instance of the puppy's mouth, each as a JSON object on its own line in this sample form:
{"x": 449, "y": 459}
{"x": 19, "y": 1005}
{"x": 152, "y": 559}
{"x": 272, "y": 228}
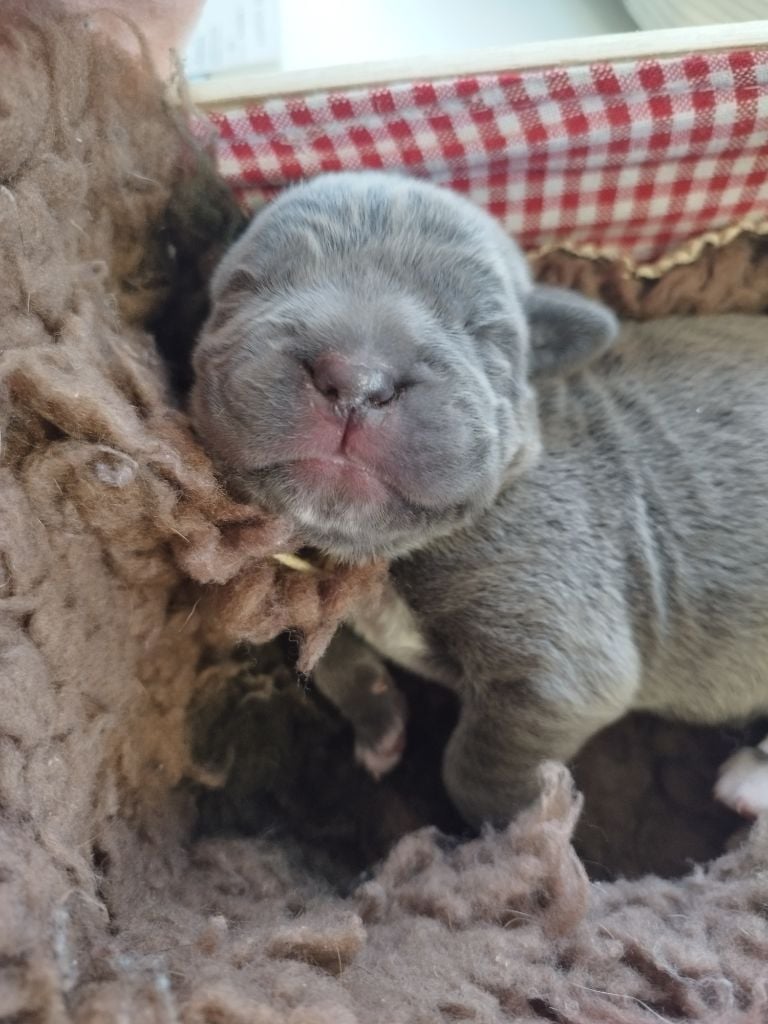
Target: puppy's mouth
{"x": 337, "y": 476}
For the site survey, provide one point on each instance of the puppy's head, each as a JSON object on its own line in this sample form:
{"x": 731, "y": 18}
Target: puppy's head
{"x": 367, "y": 364}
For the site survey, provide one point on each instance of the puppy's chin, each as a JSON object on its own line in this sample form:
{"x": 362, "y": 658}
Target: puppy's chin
{"x": 351, "y": 516}
{"x": 347, "y": 534}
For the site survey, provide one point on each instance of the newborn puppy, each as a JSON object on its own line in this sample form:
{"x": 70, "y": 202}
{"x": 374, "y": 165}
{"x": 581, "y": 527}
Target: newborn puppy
{"x": 577, "y": 526}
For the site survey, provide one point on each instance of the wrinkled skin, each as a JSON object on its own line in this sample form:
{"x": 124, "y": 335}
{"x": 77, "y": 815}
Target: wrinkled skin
{"x": 408, "y": 288}
{"x": 576, "y": 521}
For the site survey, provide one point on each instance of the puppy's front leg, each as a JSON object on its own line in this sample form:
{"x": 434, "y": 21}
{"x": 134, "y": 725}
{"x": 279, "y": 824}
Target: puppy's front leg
{"x": 355, "y": 679}
{"x": 504, "y": 734}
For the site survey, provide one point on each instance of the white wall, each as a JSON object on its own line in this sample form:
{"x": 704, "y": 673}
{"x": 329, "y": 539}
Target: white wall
{"x": 319, "y": 33}
{"x": 235, "y": 34}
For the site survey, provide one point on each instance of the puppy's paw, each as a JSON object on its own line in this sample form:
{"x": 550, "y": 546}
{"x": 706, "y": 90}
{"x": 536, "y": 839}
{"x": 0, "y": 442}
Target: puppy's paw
{"x": 378, "y": 720}
{"x": 380, "y": 756}
{"x": 356, "y": 680}
{"x": 742, "y": 782}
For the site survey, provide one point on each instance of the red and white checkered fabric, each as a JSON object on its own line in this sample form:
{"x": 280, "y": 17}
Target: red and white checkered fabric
{"x": 633, "y": 157}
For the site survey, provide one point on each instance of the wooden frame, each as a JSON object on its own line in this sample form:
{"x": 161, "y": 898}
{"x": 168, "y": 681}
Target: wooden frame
{"x": 226, "y": 91}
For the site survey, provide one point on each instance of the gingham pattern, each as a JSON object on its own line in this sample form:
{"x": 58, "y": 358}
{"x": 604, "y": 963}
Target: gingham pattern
{"x": 633, "y": 157}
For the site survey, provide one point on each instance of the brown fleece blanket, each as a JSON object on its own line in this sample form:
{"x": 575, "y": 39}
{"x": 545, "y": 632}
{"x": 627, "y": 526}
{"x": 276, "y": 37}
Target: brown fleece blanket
{"x": 181, "y": 825}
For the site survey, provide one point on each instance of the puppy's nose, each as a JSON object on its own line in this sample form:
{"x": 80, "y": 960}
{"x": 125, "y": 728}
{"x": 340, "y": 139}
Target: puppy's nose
{"x": 349, "y": 384}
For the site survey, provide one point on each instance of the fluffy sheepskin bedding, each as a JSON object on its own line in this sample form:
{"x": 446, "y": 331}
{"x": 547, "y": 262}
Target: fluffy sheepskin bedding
{"x": 183, "y": 834}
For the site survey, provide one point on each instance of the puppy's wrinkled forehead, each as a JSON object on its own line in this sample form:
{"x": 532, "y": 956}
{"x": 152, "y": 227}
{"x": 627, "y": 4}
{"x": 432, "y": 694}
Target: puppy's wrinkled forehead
{"x": 366, "y": 235}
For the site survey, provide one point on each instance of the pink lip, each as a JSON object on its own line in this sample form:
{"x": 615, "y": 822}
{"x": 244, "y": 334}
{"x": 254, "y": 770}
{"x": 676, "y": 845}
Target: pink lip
{"x": 341, "y": 476}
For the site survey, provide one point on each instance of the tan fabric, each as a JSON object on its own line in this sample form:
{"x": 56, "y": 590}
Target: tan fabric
{"x": 728, "y": 279}
{"x": 125, "y": 576}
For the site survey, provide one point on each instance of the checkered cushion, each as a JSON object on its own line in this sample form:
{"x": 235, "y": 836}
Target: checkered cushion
{"x": 633, "y": 158}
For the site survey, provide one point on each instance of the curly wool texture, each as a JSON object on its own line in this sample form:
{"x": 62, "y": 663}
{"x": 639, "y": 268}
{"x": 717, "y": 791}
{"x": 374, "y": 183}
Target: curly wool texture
{"x": 110, "y": 515}
{"x": 125, "y": 573}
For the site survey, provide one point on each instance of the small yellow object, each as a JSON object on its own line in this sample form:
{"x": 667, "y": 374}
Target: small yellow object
{"x": 294, "y": 562}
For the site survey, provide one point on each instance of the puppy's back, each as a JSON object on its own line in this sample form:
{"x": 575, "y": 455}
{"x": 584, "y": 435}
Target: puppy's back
{"x": 644, "y": 525}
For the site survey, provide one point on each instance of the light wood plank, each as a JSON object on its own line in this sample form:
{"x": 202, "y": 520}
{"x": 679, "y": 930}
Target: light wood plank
{"x": 223, "y": 92}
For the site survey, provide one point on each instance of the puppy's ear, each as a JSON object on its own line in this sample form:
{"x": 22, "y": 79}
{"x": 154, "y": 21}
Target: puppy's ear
{"x": 567, "y": 329}
{"x": 232, "y": 281}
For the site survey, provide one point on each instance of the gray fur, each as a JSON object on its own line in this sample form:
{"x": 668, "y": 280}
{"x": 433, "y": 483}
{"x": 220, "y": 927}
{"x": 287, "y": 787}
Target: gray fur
{"x": 391, "y": 271}
{"x": 571, "y": 545}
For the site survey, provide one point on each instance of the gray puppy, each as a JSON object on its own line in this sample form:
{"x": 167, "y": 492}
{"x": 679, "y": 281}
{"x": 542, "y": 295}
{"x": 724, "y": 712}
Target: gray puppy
{"x": 577, "y": 524}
